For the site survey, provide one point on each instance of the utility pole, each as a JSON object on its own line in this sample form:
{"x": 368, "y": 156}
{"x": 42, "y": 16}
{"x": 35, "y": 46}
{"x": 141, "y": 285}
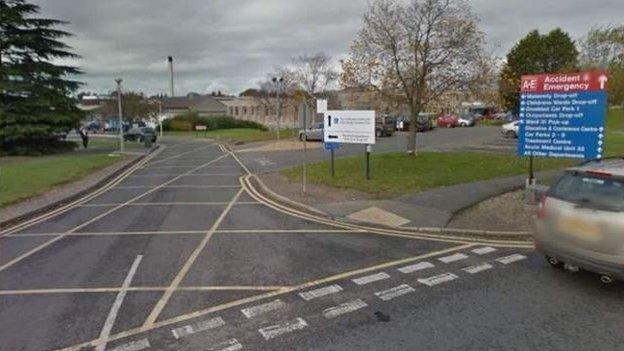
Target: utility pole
{"x": 278, "y": 82}
{"x": 160, "y": 117}
{"x": 121, "y": 139}
{"x": 170, "y": 59}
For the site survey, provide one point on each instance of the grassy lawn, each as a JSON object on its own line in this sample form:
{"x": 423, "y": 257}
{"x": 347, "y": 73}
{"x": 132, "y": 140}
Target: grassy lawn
{"x": 396, "y": 173}
{"x": 236, "y": 134}
{"x": 25, "y": 177}
{"x": 614, "y": 139}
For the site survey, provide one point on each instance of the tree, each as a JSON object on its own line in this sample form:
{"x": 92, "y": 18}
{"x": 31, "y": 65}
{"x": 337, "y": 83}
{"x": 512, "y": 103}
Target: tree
{"x": 603, "y": 47}
{"x": 413, "y": 53}
{"x": 134, "y": 106}
{"x": 535, "y": 53}
{"x": 314, "y": 73}
{"x": 279, "y": 83}
{"x": 36, "y": 103}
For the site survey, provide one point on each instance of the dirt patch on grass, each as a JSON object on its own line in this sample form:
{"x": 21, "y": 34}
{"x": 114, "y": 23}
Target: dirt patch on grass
{"x": 506, "y": 212}
{"x": 281, "y": 145}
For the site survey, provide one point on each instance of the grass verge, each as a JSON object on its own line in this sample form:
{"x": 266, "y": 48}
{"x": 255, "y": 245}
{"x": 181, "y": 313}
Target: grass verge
{"x": 25, "y": 177}
{"x": 396, "y": 173}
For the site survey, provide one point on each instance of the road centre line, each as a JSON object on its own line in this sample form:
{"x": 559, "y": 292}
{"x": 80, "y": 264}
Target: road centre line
{"x": 137, "y": 288}
{"x": 389, "y": 294}
{"x": 416, "y": 267}
{"x": 371, "y": 278}
{"x": 136, "y": 345}
{"x": 257, "y": 310}
{"x": 189, "y": 262}
{"x": 267, "y": 295}
{"x": 326, "y": 290}
{"x": 273, "y": 331}
{"x": 347, "y": 307}
{"x": 112, "y": 314}
{"x": 197, "y": 327}
{"x": 452, "y": 258}
{"x": 186, "y": 175}
{"x": 51, "y": 241}
{"x": 228, "y": 345}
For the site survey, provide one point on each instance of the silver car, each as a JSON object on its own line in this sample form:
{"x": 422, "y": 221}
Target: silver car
{"x": 314, "y": 133}
{"x": 580, "y": 221}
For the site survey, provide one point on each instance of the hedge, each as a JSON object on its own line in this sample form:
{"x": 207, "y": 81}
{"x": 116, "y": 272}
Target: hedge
{"x": 187, "y": 122}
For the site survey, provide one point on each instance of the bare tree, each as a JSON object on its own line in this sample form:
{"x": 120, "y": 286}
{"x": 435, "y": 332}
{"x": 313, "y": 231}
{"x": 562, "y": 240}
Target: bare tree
{"x": 276, "y": 92}
{"x": 414, "y": 53}
{"x": 315, "y": 74}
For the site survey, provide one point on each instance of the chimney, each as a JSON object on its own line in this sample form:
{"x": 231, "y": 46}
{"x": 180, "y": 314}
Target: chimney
{"x": 170, "y": 59}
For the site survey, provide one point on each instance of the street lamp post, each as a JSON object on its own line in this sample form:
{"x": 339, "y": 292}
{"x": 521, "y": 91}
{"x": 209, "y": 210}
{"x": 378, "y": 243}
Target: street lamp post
{"x": 278, "y": 82}
{"x": 121, "y": 139}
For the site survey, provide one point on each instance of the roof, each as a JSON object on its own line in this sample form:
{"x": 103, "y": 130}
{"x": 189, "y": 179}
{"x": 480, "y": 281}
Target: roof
{"x": 201, "y": 103}
{"x": 615, "y": 166}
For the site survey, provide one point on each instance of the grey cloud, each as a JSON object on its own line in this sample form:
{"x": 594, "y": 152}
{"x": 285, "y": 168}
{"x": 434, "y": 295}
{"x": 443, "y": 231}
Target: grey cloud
{"x": 230, "y": 45}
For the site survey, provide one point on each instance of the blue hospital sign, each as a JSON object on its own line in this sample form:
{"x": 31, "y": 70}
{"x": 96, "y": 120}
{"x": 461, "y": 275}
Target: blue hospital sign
{"x": 563, "y": 115}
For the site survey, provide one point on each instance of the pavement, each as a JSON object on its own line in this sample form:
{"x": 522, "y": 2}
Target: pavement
{"x": 180, "y": 255}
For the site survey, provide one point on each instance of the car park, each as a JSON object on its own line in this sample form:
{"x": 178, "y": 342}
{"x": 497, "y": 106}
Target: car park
{"x": 140, "y": 134}
{"x": 314, "y": 133}
{"x": 510, "y": 130}
{"x": 466, "y": 121}
{"x": 384, "y": 126}
{"x": 580, "y": 221}
{"x": 448, "y": 121}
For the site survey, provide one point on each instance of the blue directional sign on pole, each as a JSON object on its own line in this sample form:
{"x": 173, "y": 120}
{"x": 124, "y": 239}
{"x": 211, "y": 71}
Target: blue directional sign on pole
{"x": 331, "y": 146}
{"x": 562, "y": 115}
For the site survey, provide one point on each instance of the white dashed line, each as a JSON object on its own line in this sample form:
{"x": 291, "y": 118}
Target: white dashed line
{"x": 370, "y": 278}
{"x": 197, "y": 327}
{"x": 477, "y": 268}
{"x": 286, "y": 327}
{"x": 253, "y": 311}
{"x": 511, "y": 258}
{"x": 133, "y": 346}
{"x": 416, "y": 267}
{"x": 326, "y": 290}
{"x": 397, "y": 291}
{"x": 453, "y": 258}
{"x": 483, "y": 250}
{"x": 343, "y": 308}
{"x": 438, "y": 279}
{"x": 228, "y": 345}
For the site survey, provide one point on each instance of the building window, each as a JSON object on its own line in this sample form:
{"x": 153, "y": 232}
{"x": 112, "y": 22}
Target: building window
{"x": 244, "y": 110}
{"x": 236, "y": 111}
{"x": 231, "y": 111}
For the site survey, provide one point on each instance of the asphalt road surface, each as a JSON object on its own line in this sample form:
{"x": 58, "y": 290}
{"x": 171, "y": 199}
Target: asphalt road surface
{"x": 178, "y": 256}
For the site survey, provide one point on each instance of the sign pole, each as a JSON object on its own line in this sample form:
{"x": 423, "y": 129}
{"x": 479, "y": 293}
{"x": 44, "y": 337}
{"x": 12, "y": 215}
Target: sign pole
{"x": 304, "y": 110}
{"x": 332, "y": 163}
{"x": 531, "y": 174}
{"x": 367, "y": 151}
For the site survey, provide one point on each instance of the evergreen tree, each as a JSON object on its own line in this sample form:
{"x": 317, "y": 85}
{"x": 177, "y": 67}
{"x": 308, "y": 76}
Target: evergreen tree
{"x": 535, "y": 53}
{"x": 36, "y": 106}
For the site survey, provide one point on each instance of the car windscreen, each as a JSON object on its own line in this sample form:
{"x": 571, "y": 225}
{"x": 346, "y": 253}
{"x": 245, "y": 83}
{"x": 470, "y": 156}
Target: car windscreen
{"x": 585, "y": 190}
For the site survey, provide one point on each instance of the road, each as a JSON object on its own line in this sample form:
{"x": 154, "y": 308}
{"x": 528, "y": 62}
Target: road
{"x": 179, "y": 256}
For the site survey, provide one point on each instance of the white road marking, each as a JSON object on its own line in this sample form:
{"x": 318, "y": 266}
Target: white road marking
{"x": 326, "y": 290}
{"x": 228, "y": 345}
{"x": 253, "y": 311}
{"x": 197, "y": 327}
{"x": 438, "y": 279}
{"x": 452, "y": 258}
{"x": 397, "y": 291}
{"x": 112, "y": 315}
{"x": 370, "y": 278}
{"x": 343, "y": 308}
{"x": 286, "y": 327}
{"x": 511, "y": 258}
{"x": 477, "y": 268}
{"x": 484, "y": 250}
{"x": 416, "y": 267}
{"x": 133, "y": 346}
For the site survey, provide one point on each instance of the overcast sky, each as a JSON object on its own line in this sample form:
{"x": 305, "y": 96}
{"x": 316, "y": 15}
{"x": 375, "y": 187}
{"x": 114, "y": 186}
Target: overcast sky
{"x": 231, "y": 44}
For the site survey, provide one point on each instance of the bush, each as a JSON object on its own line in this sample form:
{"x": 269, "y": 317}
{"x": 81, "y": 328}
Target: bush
{"x": 187, "y": 121}
{"x": 37, "y": 147}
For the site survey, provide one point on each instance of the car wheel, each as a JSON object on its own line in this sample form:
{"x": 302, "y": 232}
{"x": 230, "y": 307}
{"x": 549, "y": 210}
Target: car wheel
{"x": 510, "y": 134}
{"x": 378, "y": 133}
{"x": 300, "y": 137}
{"x": 554, "y": 262}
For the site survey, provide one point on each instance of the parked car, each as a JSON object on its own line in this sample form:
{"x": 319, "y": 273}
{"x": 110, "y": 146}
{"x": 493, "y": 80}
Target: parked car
{"x": 510, "y": 130}
{"x": 424, "y": 122}
{"x": 580, "y": 221}
{"x": 384, "y": 126}
{"x": 140, "y": 134}
{"x": 314, "y": 133}
{"x": 449, "y": 121}
{"x": 466, "y": 121}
